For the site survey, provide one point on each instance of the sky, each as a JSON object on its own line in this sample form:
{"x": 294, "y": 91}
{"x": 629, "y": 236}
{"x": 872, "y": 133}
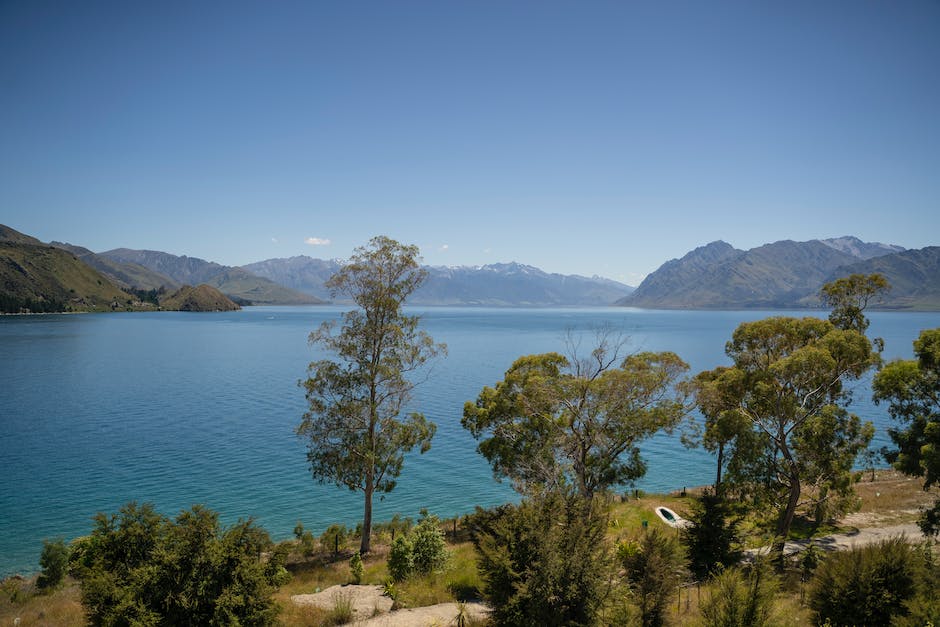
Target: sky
{"x": 592, "y": 138}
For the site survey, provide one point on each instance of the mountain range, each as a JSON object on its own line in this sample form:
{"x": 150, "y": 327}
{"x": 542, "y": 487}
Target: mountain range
{"x": 498, "y": 285}
{"x": 783, "y": 274}
{"x": 787, "y": 274}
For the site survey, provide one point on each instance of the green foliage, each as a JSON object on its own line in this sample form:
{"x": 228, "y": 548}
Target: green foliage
{"x": 429, "y": 551}
{"x": 912, "y": 390}
{"x": 355, "y": 567}
{"x": 419, "y": 552}
{"x": 655, "y": 566}
{"x": 342, "y": 611}
{"x": 54, "y": 561}
{"x": 868, "y": 585}
{"x": 555, "y": 420}
{"x": 355, "y": 437}
{"x": 787, "y": 380}
{"x": 545, "y": 561}
{"x": 712, "y": 538}
{"x": 849, "y": 296}
{"x": 401, "y": 558}
{"x": 308, "y": 545}
{"x": 741, "y": 598}
{"x": 334, "y": 538}
{"x": 140, "y": 568}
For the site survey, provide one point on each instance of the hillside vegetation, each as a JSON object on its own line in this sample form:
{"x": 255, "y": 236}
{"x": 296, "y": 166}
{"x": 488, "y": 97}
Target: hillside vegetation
{"x": 199, "y": 298}
{"x": 35, "y": 277}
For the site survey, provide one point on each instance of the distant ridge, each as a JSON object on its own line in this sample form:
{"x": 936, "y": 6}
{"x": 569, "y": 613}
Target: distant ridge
{"x": 123, "y": 274}
{"x": 786, "y": 274}
{"x": 500, "y": 284}
{"x": 235, "y": 283}
{"x": 40, "y": 278}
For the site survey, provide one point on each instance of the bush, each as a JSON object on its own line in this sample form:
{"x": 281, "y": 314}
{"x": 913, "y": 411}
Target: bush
{"x": 400, "y": 558}
{"x": 428, "y": 548}
{"x": 655, "y": 565}
{"x": 140, "y": 568}
{"x": 355, "y": 567}
{"x": 305, "y": 539}
{"x": 741, "y": 599}
{"x": 334, "y": 538}
{"x": 421, "y": 551}
{"x": 544, "y": 561}
{"x": 712, "y": 538}
{"x": 54, "y": 561}
{"x": 868, "y": 585}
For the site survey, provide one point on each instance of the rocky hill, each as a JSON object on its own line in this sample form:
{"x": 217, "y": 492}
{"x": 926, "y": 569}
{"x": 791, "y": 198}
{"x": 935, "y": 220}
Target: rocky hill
{"x": 784, "y": 274}
{"x": 914, "y": 276}
{"x": 199, "y": 298}
{"x": 506, "y": 284}
{"x": 126, "y": 275}
{"x": 236, "y": 283}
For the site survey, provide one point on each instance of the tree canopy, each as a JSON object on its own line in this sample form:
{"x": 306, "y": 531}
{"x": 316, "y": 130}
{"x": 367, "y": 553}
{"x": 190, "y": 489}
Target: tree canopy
{"x": 849, "y": 296}
{"x": 577, "y": 420}
{"x": 911, "y": 387}
{"x": 355, "y": 434}
{"x": 787, "y": 381}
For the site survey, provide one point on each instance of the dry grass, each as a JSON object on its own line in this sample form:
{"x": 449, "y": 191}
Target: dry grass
{"x": 20, "y": 600}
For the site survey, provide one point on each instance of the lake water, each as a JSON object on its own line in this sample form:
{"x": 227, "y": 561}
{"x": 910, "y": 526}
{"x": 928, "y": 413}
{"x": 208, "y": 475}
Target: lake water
{"x": 177, "y": 408}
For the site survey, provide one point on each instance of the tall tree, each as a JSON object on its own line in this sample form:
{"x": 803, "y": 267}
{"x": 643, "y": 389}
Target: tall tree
{"x": 849, "y": 296}
{"x": 355, "y": 434}
{"x": 787, "y": 379}
{"x": 576, "y": 420}
{"x": 911, "y": 387}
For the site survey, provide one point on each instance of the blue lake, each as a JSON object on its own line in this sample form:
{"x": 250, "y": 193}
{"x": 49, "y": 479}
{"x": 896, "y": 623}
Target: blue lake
{"x": 177, "y": 409}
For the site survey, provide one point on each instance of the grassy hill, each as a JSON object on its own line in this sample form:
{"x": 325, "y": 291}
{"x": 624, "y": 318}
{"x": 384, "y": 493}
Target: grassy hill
{"x": 35, "y": 277}
{"x": 200, "y": 298}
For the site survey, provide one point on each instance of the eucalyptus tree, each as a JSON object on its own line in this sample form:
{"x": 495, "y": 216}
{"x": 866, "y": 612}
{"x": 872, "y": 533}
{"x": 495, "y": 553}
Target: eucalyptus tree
{"x": 577, "y": 420}
{"x": 787, "y": 381}
{"x": 911, "y": 387}
{"x": 356, "y": 436}
{"x": 849, "y": 296}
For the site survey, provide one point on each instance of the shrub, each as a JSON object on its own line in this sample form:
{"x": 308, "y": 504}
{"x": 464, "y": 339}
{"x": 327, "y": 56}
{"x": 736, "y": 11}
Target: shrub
{"x": 54, "y": 561}
{"x": 654, "y": 565}
{"x": 140, "y": 568}
{"x": 544, "y": 561}
{"x": 712, "y": 538}
{"x": 334, "y": 538}
{"x": 421, "y": 551}
{"x": 741, "y": 599}
{"x": 355, "y": 567}
{"x": 305, "y": 539}
{"x": 867, "y": 585}
{"x": 428, "y": 548}
{"x": 400, "y": 558}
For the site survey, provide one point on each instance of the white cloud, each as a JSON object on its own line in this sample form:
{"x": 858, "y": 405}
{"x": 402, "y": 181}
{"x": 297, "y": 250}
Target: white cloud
{"x": 274, "y": 240}
{"x": 317, "y": 241}
{"x": 444, "y": 247}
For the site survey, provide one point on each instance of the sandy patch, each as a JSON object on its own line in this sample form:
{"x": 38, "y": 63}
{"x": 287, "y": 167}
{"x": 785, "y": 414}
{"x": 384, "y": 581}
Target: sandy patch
{"x": 366, "y": 601}
{"x": 372, "y": 609}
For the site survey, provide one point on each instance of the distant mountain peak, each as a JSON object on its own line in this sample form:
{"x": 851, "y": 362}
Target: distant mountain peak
{"x": 859, "y": 249}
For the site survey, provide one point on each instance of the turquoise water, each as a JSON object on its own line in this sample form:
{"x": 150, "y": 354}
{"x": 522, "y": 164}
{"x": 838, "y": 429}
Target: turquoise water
{"x": 177, "y": 408}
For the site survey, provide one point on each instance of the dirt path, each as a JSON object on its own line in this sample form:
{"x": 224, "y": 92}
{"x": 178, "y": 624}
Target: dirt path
{"x": 372, "y": 609}
{"x": 843, "y": 541}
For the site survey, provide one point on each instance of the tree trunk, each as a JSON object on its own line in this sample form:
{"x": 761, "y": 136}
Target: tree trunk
{"x": 786, "y": 520}
{"x": 365, "y": 545}
{"x": 721, "y": 455}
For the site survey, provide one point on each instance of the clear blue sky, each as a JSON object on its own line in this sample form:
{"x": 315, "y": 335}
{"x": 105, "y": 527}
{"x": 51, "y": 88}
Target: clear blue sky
{"x": 581, "y": 137}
